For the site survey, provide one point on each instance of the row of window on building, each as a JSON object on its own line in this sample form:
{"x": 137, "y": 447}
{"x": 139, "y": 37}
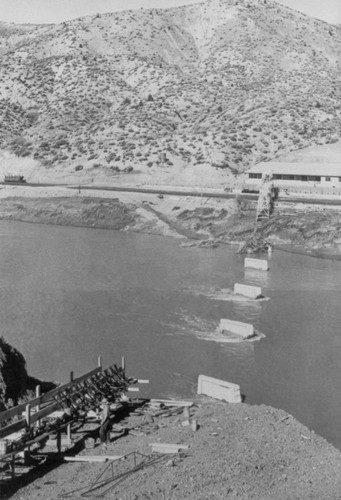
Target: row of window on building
{"x": 303, "y": 178}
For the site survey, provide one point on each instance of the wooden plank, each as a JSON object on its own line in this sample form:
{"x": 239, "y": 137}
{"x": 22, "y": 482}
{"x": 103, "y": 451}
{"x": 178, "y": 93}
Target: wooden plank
{"x": 10, "y": 429}
{"x": 93, "y": 458}
{"x": 44, "y": 413}
{"x": 170, "y": 445}
{"x": 7, "y": 414}
{"x": 18, "y": 410}
{"x": 85, "y": 459}
{"x": 170, "y": 402}
{"x": 165, "y": 450}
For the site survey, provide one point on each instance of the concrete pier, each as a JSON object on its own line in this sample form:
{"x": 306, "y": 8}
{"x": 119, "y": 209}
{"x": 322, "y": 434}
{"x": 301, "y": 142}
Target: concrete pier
{"x": 244, "y": 330}
{"x": 262, "y": 265}
{"x": 253, "y": 292}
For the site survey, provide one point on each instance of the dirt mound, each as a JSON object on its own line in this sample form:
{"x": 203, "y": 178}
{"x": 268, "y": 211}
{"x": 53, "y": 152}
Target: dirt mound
{"x": 238, "y": 452}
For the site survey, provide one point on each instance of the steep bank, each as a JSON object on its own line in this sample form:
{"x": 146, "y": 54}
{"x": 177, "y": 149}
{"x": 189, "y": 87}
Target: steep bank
{"x": 14, "y": 379}
{"x": 16, "y": 385}
{"x": 238, "y": 452}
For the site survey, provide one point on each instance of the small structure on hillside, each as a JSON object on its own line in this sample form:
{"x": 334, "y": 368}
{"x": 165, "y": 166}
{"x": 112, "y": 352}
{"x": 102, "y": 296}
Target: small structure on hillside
{"x": 14, "y": 179}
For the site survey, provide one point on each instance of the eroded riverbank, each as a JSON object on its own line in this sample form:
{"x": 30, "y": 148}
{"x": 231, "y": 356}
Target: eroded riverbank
{"x": 310, "y": 229}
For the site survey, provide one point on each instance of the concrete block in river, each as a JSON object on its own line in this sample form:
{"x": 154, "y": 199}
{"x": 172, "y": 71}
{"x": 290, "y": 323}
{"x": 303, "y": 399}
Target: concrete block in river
{"x": 244, "y": 330}
{"x": 253, "y": 292}
{"x": 256, "y": 264}
{"x": 219, "y": 389}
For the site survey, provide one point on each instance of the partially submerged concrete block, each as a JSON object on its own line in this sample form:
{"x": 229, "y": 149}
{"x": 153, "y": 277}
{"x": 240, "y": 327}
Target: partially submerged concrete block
{"x": 219, "y": 389}
{"x": 256, "y": 264}
{"x": 244, "y": 330}
{"x": 253, "y": 292}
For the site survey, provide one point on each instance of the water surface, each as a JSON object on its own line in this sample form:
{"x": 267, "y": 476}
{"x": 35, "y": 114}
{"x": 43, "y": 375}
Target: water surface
{"x": 70, "y": 294}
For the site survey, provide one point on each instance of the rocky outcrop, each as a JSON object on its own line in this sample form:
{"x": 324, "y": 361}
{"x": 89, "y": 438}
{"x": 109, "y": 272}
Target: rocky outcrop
{"x": 13, "y": 374}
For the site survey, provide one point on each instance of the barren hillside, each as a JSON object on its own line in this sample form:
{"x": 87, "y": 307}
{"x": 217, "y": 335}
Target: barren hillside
{"x": 221, "y": 84}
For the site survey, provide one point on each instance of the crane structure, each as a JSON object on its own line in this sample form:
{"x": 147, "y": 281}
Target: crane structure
{"x": 267, "y": 195}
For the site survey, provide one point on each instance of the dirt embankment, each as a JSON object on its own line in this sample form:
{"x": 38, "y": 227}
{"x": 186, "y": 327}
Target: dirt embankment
{"x": 69, "y": 211}
{"x": 237, "y": 452}
{"x": 308, "y": 228}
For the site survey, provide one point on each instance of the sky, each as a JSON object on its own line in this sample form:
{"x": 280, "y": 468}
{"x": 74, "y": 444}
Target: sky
{"x": 55, "y": 11}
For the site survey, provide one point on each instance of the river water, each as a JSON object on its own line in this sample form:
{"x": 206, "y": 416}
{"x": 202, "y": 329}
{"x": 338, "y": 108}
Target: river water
{"x": 70, "y": 294}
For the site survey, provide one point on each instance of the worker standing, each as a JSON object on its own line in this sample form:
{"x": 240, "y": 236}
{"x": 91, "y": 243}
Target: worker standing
{"x": 104, "y": 431}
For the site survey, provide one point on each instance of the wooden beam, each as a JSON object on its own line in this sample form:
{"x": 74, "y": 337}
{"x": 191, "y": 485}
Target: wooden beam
{"x": 28, "y": 415}
{"x": 10, "y": 429}
{"x": 167, "y": 447}
{"x": 43, "y": 413}
{"x": 170, "y": 402}
{"x": 170, "y": 445}
{"x": 93, "y": 458}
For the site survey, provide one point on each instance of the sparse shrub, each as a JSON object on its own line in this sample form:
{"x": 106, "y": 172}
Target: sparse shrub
{"x": 78, "y": 168}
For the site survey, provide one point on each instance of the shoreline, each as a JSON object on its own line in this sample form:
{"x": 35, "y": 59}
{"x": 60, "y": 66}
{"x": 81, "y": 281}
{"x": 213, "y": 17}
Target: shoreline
{"x": 209, "y": 222}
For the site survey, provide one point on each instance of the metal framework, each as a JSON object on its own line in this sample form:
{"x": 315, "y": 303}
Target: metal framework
{"x": 75, "y": 398}
{"x": 109, "y": 478}
{"x": 265, "y": 199}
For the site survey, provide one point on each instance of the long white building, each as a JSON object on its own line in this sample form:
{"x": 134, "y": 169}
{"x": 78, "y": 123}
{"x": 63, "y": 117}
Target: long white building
{"x": 297, "y": 176}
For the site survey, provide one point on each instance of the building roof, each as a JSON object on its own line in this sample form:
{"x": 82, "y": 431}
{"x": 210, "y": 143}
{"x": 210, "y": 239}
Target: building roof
{"x": 299, "y": 168}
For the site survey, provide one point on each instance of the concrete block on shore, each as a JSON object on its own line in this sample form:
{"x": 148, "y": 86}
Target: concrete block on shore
{"x": 262, "y": 265}
{"x": 244, "y": 330}
{"x": 219, "y": 389}
{"x": 252, "y": 292}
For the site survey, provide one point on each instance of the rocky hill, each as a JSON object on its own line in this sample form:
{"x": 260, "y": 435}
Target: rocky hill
{"x": 224, "y": 84}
